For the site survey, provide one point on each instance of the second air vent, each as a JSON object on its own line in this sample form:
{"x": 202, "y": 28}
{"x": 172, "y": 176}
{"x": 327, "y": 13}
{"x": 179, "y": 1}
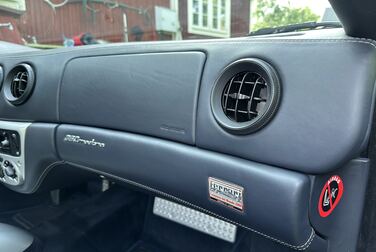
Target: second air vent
{"x": 19, "y": 84}
{"x": 246, "y": 96}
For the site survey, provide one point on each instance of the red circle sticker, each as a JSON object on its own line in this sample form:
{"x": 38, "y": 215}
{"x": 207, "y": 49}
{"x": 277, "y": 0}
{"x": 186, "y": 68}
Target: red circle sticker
{"x": 330, "y": 195}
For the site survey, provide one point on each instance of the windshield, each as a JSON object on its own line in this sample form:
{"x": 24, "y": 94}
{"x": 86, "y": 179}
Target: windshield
{"x": 66, "y": 23}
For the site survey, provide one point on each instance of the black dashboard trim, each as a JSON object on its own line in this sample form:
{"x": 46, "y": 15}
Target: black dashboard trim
{"x": 300, "y": 247}
{"x": 183, "y": 170}
{"x": 351, "y": 139}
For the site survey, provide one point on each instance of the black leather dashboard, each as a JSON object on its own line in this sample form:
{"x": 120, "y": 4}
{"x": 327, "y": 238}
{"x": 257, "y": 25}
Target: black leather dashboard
{"x": 327, "y": 94}
{"x": 153, "y": 94}
{"x": 145, "y": 107}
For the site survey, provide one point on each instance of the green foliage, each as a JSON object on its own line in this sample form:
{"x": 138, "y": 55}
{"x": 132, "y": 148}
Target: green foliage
{"x": 270, "y": 14}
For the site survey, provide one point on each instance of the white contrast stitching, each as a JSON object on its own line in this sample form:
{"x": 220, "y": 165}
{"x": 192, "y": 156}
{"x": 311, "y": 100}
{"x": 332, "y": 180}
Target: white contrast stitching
{"x": 278, "y": 41}
{"x": 244, "y": 40}
{"x": 296, "y": 247}
{"x": 44, "y": 173}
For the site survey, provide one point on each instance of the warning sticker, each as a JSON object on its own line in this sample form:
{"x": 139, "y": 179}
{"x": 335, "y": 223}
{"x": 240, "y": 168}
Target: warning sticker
{"x": 330, "y": 196}
{"x": 226, "y": 193}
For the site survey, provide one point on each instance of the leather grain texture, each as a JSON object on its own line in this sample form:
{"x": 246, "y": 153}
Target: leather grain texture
{"x": 152, "y": 94}
{"x": 275, "y": 200}
{"x": 322, "y": 123}
{"x": 325, "y": 109}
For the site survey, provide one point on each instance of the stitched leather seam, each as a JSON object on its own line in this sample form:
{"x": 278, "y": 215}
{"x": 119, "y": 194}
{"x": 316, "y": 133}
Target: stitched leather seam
{"x": 296, "y": 247}
{"x": 284, "y": 41}
{"x": 244, "y": 40}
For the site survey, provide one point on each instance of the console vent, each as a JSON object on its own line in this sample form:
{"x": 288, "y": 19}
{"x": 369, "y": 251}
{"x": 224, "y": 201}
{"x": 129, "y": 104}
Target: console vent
{"x": 245, "y": 96}
{"x": 19, "y": 84}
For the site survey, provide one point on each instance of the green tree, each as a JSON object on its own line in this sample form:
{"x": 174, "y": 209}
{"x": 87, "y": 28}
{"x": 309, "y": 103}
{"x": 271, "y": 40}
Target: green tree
{"x": 270, "y": 14}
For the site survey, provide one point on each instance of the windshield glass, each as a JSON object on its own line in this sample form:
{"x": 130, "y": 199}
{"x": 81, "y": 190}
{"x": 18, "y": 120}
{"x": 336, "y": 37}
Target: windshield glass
{"x": 66, "y": 23}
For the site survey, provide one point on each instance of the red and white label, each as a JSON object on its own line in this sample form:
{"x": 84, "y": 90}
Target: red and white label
{"x": 226, "y": 193}
{"x": 330, "y": 196}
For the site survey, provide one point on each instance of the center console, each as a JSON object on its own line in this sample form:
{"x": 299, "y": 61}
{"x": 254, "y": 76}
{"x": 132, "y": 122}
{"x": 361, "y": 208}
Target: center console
{"x": 12, "y": 159}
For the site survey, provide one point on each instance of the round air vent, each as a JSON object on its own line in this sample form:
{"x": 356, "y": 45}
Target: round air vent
{"x": 246, "y": 96}
{"x": 19, "y": 84}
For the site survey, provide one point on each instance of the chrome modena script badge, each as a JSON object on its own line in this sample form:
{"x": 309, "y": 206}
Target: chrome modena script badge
{"x": 79, "y": 140}
{"x": 226, "y": 193}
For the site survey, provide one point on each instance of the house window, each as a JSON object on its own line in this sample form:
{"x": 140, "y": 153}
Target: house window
{"x": 209, "y": 17}
{"x": 14, "y": 6}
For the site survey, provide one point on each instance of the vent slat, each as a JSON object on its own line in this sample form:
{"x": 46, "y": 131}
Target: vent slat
{"x": 249, "y": 105}
{"x": 241, "y": 96}
{"x": 259, "y": 99}
{"x": 245, "y": 82}
{"x": 238, "y": 95}
{"x": 19, "y": 84}
{"x": 243, "y": 111}
{"x": 227, "y": 92}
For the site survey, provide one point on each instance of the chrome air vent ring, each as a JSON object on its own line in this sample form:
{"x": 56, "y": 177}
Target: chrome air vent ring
{"x": 19, "y": 84}
{"x": 246, "y": 95}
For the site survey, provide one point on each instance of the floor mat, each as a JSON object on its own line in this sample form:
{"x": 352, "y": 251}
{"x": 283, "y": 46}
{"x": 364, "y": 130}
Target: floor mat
{"x": 161, "y": 234}
{"x": 121, "y": 220}
{"x": 109, "y": 221}
{"x": 142, "y": 246}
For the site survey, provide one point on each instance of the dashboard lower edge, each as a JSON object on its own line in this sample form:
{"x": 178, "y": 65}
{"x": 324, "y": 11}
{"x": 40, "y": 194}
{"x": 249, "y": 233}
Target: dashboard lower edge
{"x": 178, "y": 171}
{"x": 184, "y": 171}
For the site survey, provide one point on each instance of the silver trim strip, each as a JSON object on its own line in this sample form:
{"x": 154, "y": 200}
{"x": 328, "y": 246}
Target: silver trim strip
{"x": 17, "y": 162}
